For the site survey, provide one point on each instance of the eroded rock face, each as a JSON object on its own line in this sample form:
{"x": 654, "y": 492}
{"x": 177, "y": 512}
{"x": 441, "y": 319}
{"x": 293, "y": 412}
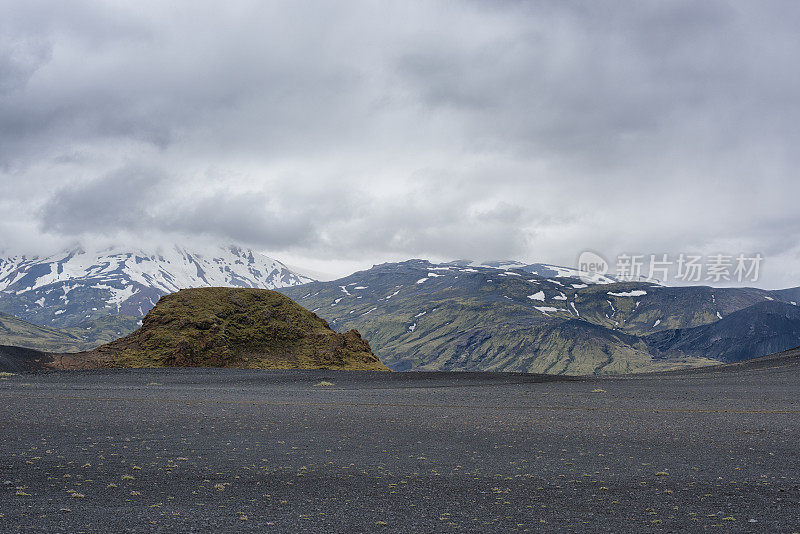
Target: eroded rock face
{"x": 232, "y": 327}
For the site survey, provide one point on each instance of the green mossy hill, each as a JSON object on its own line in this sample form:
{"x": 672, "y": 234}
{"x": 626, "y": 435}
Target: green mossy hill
{"x": 233, "y": 327}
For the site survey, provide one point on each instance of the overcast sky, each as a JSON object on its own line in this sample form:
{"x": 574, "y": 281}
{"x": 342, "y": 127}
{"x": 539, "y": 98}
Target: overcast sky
{"x": 336, "y": 135}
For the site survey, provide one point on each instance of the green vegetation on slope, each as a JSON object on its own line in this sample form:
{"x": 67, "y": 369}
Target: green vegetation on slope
{"x": 16, "y": 332}
{"x": 86, "y": 336}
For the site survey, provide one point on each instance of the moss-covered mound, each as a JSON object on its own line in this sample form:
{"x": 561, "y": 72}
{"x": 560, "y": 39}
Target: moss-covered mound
{"x": 232, "y": 327}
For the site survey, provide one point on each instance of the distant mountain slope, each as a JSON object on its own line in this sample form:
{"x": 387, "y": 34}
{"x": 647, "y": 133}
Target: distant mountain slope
{"x": 419, "y": 315}
{"x": 764, "y": 328}
{"x": 642, "y": 309}
{"x": 69, "y": 289}
{"x": 548, "y": 346}
{"x": 785, "y": 362}
{"x": 790, "y": 295}
{"x": 231, "y": 327}
{"x": 89, "y": 334}
{"x": 16, "y": 332}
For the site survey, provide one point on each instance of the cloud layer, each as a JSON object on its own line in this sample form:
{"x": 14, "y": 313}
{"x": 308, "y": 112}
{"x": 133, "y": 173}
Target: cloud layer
{"x": 348, "y": 134}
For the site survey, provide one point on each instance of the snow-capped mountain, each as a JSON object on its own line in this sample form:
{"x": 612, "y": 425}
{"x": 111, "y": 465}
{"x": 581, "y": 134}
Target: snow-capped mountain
{"x": 79, "y": 285}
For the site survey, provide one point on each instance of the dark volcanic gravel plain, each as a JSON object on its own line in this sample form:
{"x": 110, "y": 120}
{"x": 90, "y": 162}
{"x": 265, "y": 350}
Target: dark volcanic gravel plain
{"x": 272, "y": 451}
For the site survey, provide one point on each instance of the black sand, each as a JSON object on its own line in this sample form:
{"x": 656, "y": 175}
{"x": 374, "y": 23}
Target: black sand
{"x": 225, "y": 450}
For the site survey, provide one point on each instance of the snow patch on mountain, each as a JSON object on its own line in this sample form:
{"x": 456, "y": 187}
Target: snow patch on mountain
{"x": 634, "y": 293}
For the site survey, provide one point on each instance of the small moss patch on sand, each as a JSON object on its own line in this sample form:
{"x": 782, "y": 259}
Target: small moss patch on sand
{"x": 4, "y": 374}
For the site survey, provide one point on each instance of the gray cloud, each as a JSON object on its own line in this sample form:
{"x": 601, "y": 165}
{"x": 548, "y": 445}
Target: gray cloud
{"x": 19, "y": 60}
{"x": 245, "y": 218}
{"x": 361, "y": 132}
{"x": 118, "y": 200}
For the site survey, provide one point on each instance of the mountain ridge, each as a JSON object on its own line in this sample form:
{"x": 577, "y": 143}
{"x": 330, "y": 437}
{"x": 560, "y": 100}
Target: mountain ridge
{"x": 420, "y": 315}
